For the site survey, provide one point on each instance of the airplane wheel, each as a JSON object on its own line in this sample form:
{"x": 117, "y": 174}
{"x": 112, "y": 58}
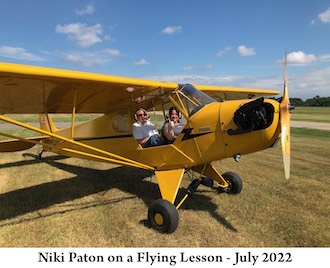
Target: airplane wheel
{"x": 163, "y": 216}
{"x": 235, "y": 183}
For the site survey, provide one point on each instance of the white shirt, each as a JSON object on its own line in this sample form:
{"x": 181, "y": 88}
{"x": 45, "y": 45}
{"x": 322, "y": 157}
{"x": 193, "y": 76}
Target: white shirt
{"x": 140, "y": 131}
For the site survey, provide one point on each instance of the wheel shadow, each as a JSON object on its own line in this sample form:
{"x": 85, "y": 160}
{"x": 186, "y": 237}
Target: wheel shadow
{"x": 88, "y": 181}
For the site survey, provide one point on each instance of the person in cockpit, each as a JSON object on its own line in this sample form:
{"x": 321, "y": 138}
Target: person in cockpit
{"x": 144, "y": 131}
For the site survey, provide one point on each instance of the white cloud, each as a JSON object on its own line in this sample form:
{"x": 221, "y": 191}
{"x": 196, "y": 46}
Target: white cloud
{"x": 112, "y": 52}
{"x": 300, "y": 58}
{"x": 310, "y": 84}
{"x": 172, "y": 30}
{"x": 223, "y": 52}
{"x": 199, "y": 79}
{"x": 89, "y": 9}
{"x": 245, "y": 51}
{"x": 85, "y": 59}
{"x": 18, "y": 53}
{"x": 88, "y": 59}
{"x": 197, "y": 68}
{"x": 82, "y": 34}
{"x": 325, "y": 16}
{"x": 303, "y": 85}
{"x": 141, "y": 62}
{"x": 324, "y": 58}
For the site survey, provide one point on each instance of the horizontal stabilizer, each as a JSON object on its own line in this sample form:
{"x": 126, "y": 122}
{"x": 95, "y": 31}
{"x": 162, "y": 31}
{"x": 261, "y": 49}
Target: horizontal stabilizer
{"x": 15, "y": 145}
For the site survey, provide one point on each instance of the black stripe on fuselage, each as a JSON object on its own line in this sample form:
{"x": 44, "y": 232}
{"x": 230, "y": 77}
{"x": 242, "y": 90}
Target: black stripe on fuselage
{"x": 103, "y": 138}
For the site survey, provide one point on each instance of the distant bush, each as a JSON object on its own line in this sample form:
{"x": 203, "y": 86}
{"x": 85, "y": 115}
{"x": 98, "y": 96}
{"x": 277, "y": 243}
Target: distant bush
{"x": 317, "y": 101}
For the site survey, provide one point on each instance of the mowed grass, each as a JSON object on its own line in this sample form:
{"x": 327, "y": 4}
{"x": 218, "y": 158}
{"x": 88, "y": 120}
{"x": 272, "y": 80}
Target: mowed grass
{"x": 33, "y": 118}
{"x": 311, "y": 114}
{"x": 68, "y": 202}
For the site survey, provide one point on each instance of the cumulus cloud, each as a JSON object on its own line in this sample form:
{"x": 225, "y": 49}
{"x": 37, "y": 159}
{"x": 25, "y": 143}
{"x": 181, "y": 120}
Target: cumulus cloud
{"x": 325, "y": 16}
{"x": 245, "y": 51}
{"x": 87, "y": 10}
{"x": 301, "y": 58}
{"x": 18, "y": 53}
{"x": 172, "y": 30}
{"x": 81, "y": 33}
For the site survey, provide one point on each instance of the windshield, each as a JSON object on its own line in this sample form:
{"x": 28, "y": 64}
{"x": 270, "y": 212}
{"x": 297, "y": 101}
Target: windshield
{"x": 193, "y": 98}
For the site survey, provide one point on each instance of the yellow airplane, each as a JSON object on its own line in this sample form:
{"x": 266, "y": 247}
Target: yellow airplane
{"x": 220, "y": 122}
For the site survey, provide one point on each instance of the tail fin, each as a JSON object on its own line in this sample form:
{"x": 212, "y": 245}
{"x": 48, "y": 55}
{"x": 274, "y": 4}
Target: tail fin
{"x": 46, "y": 123}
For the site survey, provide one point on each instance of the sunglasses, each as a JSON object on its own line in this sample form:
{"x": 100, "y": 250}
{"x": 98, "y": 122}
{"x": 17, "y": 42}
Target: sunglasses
{"x": 140, "y": 115}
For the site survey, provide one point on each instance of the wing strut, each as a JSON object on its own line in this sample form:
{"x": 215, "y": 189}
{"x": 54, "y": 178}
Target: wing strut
{"x": 94, "y": 152}
{"x": 73, "y": 113}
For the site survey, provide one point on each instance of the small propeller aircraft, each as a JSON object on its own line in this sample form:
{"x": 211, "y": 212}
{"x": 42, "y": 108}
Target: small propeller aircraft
{"x": 220, "y": 122}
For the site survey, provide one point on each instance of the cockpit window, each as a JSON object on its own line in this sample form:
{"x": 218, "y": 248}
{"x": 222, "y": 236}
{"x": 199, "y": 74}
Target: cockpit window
{"x": 193, "y": 99}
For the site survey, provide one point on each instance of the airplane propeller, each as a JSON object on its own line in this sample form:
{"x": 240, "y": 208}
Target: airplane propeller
{"x": 285, "y": 124}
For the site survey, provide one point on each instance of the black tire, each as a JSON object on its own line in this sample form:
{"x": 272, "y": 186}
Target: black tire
{"x": 163, "y": 216}
{"x": 235, "y": 182}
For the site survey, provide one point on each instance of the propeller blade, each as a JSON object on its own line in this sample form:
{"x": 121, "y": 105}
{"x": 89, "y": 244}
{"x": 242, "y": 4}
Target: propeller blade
{"x": 285, "y": 124}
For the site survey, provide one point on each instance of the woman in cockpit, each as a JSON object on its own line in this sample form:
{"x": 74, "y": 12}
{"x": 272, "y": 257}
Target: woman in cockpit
{"x": 172, "y": 126}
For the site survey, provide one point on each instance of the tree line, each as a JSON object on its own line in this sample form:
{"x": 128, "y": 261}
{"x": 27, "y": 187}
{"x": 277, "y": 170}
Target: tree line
{"x": 316, "y": 101}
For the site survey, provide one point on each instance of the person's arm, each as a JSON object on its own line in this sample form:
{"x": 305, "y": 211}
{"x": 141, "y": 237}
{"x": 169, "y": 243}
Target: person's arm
{"x": 169, "y": 132}
{"x": 143, "y": 141}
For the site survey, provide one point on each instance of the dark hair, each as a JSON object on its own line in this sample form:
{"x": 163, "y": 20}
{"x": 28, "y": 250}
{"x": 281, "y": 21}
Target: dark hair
{"x": 173, "y": 109}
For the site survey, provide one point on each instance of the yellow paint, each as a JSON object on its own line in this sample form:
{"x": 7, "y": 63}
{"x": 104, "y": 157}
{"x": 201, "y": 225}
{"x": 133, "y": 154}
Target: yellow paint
{"x": 159, "y": 220}
{"x": 39, "y": 90}
{"x": 169, "y": 182}
{"x": 210, "y": 171}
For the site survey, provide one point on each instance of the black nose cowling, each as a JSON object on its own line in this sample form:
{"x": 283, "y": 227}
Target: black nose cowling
{"x": 251, "y": 116}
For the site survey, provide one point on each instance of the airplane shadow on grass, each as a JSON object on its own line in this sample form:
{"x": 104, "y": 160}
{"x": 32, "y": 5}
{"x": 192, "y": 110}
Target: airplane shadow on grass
{"x": 87, "y": 181}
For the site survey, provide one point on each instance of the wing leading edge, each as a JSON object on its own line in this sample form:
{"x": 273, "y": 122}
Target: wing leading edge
{"x": 28, "y": 89}
{"x": 36, "y": 90}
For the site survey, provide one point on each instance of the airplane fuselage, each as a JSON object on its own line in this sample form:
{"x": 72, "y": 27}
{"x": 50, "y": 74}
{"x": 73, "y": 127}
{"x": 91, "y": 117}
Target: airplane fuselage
{"x": 212, "y": 133}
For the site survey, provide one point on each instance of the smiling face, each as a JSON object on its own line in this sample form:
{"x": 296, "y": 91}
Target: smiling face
{"x": 174, "y": 115}
{"x": 141, "y": 116}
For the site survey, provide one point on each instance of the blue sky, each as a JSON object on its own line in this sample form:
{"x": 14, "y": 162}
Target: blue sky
{"x": 235, "y": 43}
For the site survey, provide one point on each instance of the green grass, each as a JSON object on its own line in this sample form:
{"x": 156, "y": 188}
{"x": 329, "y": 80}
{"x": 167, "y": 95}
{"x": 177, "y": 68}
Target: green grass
{"x": 68, "y": 202}
{"x": 311, "y": 114}
{"x": 312, "y": 133}
{"x": 57, "y": 118}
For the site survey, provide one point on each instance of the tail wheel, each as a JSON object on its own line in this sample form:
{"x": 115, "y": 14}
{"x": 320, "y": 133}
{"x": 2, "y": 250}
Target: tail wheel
{"x": 163, "y": 216}
{"x": 235, "y": 182}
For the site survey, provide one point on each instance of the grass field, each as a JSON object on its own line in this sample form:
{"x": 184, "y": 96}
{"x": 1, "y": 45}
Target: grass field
{"x": 311, "y": 114}
{"x": 67, "y": 202}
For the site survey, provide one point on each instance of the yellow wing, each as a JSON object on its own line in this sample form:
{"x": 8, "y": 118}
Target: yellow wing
{"x": 35, "y": 90}
{"x": 222, "y": 93}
